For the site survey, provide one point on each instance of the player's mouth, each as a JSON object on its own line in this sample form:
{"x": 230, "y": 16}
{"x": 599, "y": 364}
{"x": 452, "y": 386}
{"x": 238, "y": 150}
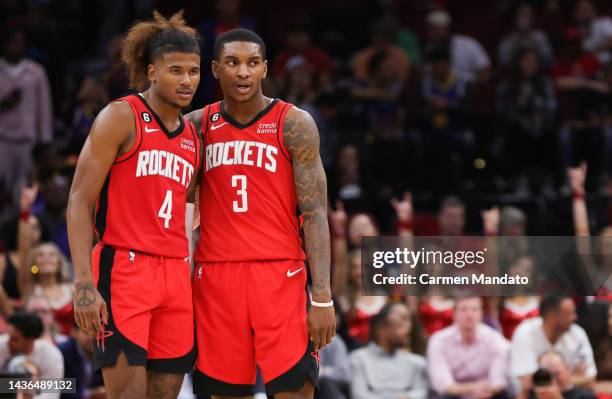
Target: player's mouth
{"x": 185, "y": 94}
{"x": 243, "y": 88}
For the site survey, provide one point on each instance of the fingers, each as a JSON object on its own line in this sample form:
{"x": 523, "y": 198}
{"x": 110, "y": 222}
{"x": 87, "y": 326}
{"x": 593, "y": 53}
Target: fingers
{"x": 339, "y": 206}
{"x": 583, "y": 168}
{"x": 104, "y": 312}
{"x": 97, "y": 323}
{"x": 316, "y": 340}
{"x": 84, "y": 322}
{"x": 408, "y": 196}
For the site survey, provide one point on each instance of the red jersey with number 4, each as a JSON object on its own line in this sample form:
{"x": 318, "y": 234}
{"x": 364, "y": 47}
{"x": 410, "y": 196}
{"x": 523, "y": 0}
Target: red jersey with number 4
{"x": 142, "y": 204}
{"x": 248, "y": 205}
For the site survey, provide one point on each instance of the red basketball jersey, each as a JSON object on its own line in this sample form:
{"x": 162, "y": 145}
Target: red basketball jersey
{"x": 142, "y": 204}
{"x": 248, "y": 205}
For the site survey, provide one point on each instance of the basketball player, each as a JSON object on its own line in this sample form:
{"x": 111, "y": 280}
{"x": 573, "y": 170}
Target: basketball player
{"x": 261, "y": 161}
{"x": 135, "y": 173}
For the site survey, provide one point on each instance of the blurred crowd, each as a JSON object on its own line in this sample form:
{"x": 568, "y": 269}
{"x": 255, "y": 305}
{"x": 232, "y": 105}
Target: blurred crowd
{"x": 436, "y": 117}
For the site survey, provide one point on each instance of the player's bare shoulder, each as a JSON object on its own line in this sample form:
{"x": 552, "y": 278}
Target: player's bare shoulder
{"x": 114, "y": 125}
{"x": 195, "y": 117}
{"x": 301, "y": 136}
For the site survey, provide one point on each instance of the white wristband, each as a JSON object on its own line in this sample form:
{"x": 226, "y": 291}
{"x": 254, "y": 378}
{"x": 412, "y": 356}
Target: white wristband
{"x": 321, "y": 304}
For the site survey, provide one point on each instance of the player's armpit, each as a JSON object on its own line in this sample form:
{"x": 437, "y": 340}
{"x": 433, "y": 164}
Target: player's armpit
{"x": 301, "y": 138}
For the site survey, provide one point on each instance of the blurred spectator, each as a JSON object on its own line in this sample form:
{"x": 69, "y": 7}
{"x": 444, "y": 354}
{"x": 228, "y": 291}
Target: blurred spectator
{"x": 52, "y": 211}
{"x": 299, "y": 44}
{"x": 325, "y": 111}
{"x": 404, "y": 38}
{"x": 17, "y": 233}
{"x": 349, "y": 181}
{"x": 359, "y": 308}
{"x": 436, "y": 313}
{"x": 468, "y": 359}
{"x": 299, "y": 88}
{"x": 596, "y": 30}
{"x": 77, "y": 352}
{"x": 92, "y": 97}
{"x": 553, "y": 330}
{"x": 527, "y": 106}
{"x": 447, "y": 141}
{"x": 23, "y": 339}
{"x": 519, "y": 307}
{"x": 524, "y": 36}
{"x": 467, "y": 56}
{"x": 377, "y": 97}
{"x": 512, "y": 221}
{"x": 334, "y": 372}
{"x": 26, "y": 116}
{"x": 39, "y": 305}
{"x": 383, "y": 369}
{"x": 49, "y": 279}
{"x": 382, "y": 42}
{"x": 451, "y": 217}
{"x": 560, "y": 385}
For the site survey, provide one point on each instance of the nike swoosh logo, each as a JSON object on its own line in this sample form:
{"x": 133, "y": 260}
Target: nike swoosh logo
{"x": 150, "y": 130}
{"x": 293, "y": 273}
{"x": 215, "y": 127}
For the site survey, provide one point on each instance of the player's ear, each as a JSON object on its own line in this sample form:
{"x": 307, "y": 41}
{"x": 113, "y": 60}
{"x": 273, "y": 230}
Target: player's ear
{"x": 214, "y": 66}
{"x": 265, "y": 74}
{"x": 152, "y": 73}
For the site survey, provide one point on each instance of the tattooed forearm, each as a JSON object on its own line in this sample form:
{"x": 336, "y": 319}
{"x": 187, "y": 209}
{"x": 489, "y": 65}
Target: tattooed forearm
{"x": 85, "y": 294}
{"x": 302, "y": 141}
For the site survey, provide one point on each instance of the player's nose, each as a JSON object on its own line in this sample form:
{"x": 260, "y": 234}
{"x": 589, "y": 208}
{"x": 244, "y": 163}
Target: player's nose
{"x": 243, "y": 71}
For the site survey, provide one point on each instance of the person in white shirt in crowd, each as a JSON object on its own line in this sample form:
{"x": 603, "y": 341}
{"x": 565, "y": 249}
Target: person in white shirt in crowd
{"x": 383, "y": 369}
{"x": 554, "y": 330}
{"x": 596, "y": 30}
{"x": 24, "y": 331}
{"x": 468, "y": 57}
{"x": 468, "y": 358}
{"x": 26, "y": 114}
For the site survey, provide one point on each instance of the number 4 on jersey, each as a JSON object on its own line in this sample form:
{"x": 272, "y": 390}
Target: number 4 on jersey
{"x": 165, "y": 212}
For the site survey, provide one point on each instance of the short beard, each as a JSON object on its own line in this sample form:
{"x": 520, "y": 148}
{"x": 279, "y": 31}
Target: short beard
{"x": 169, "y": 102}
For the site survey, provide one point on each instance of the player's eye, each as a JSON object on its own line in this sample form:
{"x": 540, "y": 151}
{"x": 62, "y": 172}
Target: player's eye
{"x": 195, "y": 71}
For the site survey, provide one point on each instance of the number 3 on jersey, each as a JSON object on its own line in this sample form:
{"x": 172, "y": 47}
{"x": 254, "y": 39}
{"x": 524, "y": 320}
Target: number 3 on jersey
{"x": 165, "y": 212}
{"x": 242, "y": 204}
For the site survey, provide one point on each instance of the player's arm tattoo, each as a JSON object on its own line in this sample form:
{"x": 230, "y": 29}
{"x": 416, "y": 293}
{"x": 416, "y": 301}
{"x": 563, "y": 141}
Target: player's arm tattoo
{"x": 85, "y": 294}
{"x": 302, "y": 142}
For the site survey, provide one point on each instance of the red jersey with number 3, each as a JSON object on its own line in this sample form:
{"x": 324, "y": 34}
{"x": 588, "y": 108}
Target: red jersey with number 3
{"x": 142, "y": 204}
{"x": 248, "y": 205}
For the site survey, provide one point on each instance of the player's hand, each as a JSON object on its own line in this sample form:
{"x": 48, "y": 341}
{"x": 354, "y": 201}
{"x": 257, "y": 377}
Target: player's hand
{"x": 90, "y": 310}
{"x": 321, "y": 326}
{"x": 577, "y": 177}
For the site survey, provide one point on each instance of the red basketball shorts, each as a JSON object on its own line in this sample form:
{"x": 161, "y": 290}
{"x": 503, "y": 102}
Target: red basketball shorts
{"x": 248, "y": 314}
{"x": 150, "y": 310}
